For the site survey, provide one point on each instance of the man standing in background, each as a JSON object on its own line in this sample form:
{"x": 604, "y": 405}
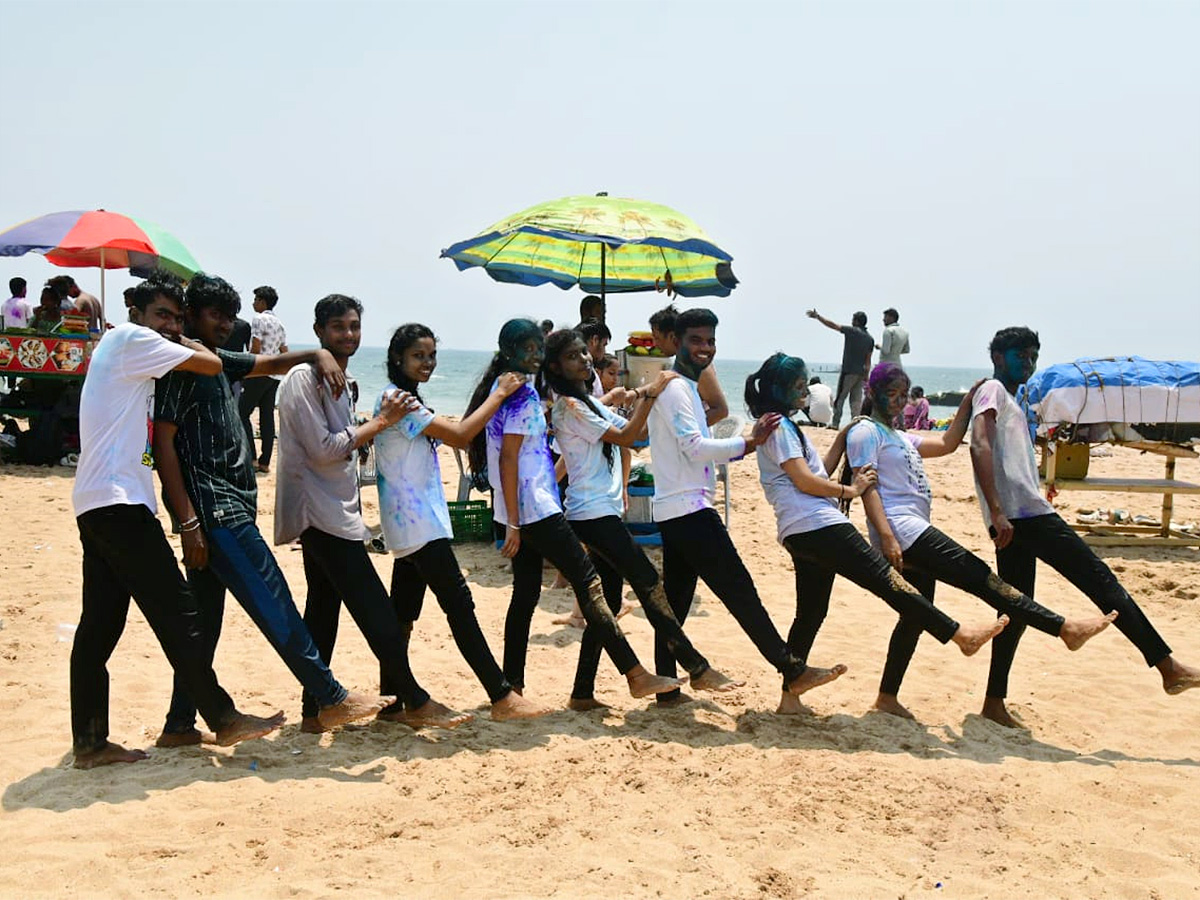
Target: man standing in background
{"x": 856, "y": 362}
{"x": 895, "y": 338}
{"x": 18, "y": 312}
{"x": 267, "y": 338}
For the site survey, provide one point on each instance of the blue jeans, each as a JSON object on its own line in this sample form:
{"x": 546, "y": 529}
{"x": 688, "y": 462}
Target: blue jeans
{"x": 241, "y": 561}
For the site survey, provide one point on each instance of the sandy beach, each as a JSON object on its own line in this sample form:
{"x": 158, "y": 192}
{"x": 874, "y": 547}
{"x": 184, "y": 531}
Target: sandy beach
{"x": 720, "y": 798}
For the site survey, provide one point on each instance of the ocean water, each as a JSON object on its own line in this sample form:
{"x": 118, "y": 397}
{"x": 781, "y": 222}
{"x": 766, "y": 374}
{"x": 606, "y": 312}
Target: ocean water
{"x": 458, "y": 372}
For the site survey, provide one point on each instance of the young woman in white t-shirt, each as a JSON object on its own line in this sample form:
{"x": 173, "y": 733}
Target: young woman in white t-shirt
{"x": 515, "y": 453}
{"x": 819, "y": 538}
{"x": 589, "y": 435}
{"x": 416, "y": 520}
{"x": 898, "y": 515}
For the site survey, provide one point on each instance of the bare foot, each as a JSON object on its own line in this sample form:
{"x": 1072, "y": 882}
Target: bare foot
{"x": 1077, "y": 632}
{"x": 1177, "y": 677}
{"x": 674, "y": 700}
{"x": 814, "y": 677}
{"x": 890, "y": 704}
{"x": 312, "y": 725}
{"x": 107, "y": 755}
{"x": 431, "y": 714}
{"x": 716, "y": 682}
{"x": 356, "y": 706}
{"x": 573, "y": 620}
{"x": 586, "y": 704}
{"x": 790, "y": 705}
{"x": 626, "y": 609}
{"x": 513, "y": 706}
{"x": 994, "y": 709}
{"x": 189, "y": 738}
{"x": 246, "y": 727}
{"x": 643, "y": 684}
{"x": 970, "y": 639}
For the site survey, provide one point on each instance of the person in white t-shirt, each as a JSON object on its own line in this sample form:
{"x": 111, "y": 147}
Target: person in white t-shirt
{"x": 125, "y": 553}
{"x": 588, "y": 436}
{"x": 516, "y": 456}
{"x": 898, "y": 517}
{"x": 416, "y": 520}
{"x": 820, "y": 402}
{"x": 17, "y": 311}
{"x": 1025, "y": 527}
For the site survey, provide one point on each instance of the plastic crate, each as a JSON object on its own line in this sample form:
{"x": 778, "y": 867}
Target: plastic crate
{"x": 471, "y": 520}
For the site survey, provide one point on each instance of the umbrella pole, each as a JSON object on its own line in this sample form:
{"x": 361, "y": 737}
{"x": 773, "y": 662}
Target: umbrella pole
{"x": 103, "y": 317}
{"x": 603, "y": 250}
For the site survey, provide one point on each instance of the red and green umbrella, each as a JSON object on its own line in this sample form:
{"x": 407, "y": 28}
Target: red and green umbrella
{"x": 99, "y": 239}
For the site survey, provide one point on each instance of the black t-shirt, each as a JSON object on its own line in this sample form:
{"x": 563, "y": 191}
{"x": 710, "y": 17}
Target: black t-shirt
{"x": 239, "y": 338}
{"x": 858, "y": 347}
{"x": 218, "y": 470}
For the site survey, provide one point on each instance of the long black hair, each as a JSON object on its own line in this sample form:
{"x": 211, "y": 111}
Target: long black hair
{"x": 513, "y": 336}
{"x": 768, "y": 389}
{"x": 556, "y": 345}
{"x": 403, "y": 338}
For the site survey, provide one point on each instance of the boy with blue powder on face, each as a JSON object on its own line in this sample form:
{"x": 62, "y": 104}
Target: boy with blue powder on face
{"x": 1025, "y": 527}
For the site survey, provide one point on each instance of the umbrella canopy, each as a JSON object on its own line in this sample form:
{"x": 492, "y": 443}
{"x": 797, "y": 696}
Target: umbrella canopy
{"x": 604, "y": 245}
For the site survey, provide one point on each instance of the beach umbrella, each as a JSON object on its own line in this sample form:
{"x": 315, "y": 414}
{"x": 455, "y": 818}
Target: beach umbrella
{"x": 99, "y": 239}
{"x": 602, "y": 244}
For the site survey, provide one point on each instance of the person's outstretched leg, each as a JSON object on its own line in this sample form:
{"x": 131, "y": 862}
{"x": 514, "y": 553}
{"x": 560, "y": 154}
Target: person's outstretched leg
{"x": 901, "y": 647}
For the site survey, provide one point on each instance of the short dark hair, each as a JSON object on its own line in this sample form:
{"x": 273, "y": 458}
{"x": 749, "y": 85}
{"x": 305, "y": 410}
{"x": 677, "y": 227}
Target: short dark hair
{"x": 664, "y": 319}
{"x": 590, "y": 302}
{"x": 160, "y": 283}
{"x": 814, "y": 380}
{"x": 547, "y": 325}
{"x": 694, "y": 318}
{"x": 204, "y": 291}
{"x": 60, "y": 284}
{"x": 591, "y": 328}
{"x": 267, "y": 295}
{"x": 1014, "y": 337}
{"x": 16, "y": 285}
{"x": 859, "y": 320}
{"x": 891, "y": 311}
{"x": 604, "y": 363}
{"x": 335, "y": 305}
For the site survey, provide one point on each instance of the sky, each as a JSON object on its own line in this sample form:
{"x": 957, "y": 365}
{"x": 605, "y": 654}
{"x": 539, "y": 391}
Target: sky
{"x": 972, "y": 164}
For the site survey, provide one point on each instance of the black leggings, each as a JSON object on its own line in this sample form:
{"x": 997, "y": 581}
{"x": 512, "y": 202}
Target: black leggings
{"x": 1053, "y": 541}
{"x": 552, "y": 538}
{"x": 617, "y": 558}
{"x": 698, "y": 546}
{"x": 436, "y": 566}
{"x": 934, "y": 557}
{"x": 841, "y": 550}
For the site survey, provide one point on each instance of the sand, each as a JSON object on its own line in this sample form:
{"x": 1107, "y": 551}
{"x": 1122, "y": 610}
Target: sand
{"x": 719, "y": 799}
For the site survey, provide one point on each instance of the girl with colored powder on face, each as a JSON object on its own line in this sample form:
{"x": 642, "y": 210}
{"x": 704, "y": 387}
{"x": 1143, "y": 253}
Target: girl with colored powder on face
{"x": 588, "y": 434}
{"x": 416, "y": 520}
{"x": 898, "y": 515}
{"x": 515, "y": 453}
{"x": 820, "y": 539}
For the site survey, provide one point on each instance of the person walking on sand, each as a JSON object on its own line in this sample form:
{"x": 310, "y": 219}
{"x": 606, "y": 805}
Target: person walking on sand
{"x": 125, "y": 553}
{"x": 416, "y": 519}
{"x": 513, "y": 450}
{"x": 317, "y": 502}
{"x": 1025, "y": 527}
{"x": 856, "y": 362}
{"x": 817, "y": 535}
{"x": 267, "y": 338}
{"x": 207, "y": 473}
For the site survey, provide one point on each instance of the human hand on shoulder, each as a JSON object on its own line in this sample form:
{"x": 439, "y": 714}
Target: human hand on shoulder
{"x": 509, "y": 383}
{"x": 762, "y": 430}
{"x": 656, "y": 387}
{"x": 396, "y": 405}
{"x": 330, "y": 372}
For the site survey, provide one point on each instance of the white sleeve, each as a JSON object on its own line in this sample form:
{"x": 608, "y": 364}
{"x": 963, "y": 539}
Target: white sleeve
{"x": 147, "y": 354}
{"x": 692, "y": 442}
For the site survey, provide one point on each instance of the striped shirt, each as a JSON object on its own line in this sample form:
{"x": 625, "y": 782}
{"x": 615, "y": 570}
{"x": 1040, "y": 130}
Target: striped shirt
{"x": 214, "y": 453}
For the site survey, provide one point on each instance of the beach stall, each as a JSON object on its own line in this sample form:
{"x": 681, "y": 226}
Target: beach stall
{"x": 1143, "y": 404}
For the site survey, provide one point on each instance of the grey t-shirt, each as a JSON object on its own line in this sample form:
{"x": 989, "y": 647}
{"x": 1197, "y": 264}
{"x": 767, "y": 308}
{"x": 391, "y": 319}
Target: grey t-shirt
{"x": 858, "y": 348}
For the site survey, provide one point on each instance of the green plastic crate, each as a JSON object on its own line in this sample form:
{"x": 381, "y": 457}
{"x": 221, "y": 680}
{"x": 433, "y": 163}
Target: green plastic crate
{"x": 471, "y": 520}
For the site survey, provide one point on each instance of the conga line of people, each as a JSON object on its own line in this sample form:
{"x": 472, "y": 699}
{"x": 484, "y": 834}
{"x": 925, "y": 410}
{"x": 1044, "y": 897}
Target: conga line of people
{"x": 159, "y": 395}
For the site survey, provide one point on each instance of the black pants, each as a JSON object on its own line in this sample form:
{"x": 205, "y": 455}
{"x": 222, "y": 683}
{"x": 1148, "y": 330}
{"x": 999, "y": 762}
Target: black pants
{"x": 552, "y": 538}
{"x": 209, "y": 593}
{"x": 934, "y": 557}
{"x": 340, "y": 571}
{"x": 1053, "y": 541}
{"x": 259, "y": 393}
{"x": 125, "y": 553}
{"x": 436, "y": 566}
{"x": 617, "y": 558}
{"x": 698, "y": 546}
{"x": 840, "y": 549}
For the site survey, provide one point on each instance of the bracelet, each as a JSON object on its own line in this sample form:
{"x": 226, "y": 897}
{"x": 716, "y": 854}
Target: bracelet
{"x": 195, "y": 526}
{"x": 194, "y": 520}
{"x": 513, "y": 527}
{"x": 841, "y": 492}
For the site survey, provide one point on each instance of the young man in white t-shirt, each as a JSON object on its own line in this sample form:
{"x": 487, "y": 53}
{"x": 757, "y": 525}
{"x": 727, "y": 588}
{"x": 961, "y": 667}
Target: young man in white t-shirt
{"x": 17, "y": 311}
{"x": 695, "y": 542}
{"x": 125, "y": 552}
{"x": 1025, "y": 527}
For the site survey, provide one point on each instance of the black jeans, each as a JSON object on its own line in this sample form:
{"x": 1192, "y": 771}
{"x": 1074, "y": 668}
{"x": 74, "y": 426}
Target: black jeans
{"x": 1053, "y": 541}
{"x": 259, "y": 393}
{"x": 436, "y": 566}
{"x": 209, "y": 592}
{"x": 125, "y": 553}
{"x": 340, "y": 571}
{"x": 698, "y": 546}
{"x": 552, "y": 538}
{"x": 934, "y": 557}
{"x": 617, "y": 558}
{"x": 841, "y": 550}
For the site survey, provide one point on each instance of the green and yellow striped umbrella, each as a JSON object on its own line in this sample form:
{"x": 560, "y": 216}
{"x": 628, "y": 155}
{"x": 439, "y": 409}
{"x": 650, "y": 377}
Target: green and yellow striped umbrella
{"x": 603, "y": 244}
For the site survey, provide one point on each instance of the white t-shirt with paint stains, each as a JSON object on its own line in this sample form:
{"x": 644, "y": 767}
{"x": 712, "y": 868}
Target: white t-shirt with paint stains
{"x": 903, "y": 487}
{"x": 412, "y": 503}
